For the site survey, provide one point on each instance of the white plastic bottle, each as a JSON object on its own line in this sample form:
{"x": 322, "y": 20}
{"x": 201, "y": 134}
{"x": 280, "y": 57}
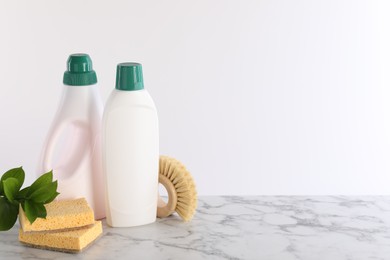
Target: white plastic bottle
{"x": 130, "y": 151}
{"x": 73, "y": 145}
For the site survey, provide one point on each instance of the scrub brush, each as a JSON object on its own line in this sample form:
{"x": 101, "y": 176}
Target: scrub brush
{"x": 181, "y": 189}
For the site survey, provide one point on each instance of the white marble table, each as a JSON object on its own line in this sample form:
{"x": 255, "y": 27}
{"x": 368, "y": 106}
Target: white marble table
{"x": 261, "y": 227}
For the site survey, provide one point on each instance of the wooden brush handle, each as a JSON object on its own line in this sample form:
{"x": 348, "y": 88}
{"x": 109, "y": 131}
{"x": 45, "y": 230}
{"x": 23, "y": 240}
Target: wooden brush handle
{"x": 166, "y": 209}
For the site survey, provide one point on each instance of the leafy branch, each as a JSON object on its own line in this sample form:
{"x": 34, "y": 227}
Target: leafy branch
{"x": 32, "y": 198}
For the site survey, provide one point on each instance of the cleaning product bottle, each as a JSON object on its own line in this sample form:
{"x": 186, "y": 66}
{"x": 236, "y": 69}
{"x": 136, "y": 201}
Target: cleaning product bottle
{"x": 73, "y": 145}
{"x": 130, "y": 151}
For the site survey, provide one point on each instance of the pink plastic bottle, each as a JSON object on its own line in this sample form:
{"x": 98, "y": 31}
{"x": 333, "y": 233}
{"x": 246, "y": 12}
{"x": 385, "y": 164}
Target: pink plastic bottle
{"x": 73, "y": 145}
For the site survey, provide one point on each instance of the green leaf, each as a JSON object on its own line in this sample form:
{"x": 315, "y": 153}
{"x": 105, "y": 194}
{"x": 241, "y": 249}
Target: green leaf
{"x": 40, "y": 210}
{"x": 17, "y": 173}
{"x": 30, "y": 211}
{"x": 44, "y": 180}
{"x": 22, "y": 204}
{"x": 34, "y": 210}
{"x": 8, "y": 214}
{"x": 23, "y": 193}
{"x": 52, "y": 197}
{"x": 11, "y": 188}
{"x": 44, "y": 193}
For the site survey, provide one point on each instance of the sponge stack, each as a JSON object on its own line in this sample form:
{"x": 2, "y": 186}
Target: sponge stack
{"x": 69, "y": 226}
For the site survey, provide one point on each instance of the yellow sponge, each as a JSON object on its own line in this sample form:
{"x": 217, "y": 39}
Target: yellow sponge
{"x": 63, "y": 214}
{"x": 66, "y": 241}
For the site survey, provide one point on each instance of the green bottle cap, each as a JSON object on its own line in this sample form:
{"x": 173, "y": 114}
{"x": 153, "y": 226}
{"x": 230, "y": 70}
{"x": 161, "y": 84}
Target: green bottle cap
{"x": 129, "y": 76}
{"x": 79, "y": 71}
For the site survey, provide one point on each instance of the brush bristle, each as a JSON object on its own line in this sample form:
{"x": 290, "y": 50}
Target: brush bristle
{"x": 184, "y": 184}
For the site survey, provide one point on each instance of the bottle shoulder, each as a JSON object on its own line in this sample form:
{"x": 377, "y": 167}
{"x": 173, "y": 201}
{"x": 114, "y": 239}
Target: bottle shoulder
{"x": 128, "y": 99}
{"x": 80, "y": 103}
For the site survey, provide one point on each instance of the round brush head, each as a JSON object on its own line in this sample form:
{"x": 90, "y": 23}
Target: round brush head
{"x": 180, "y": 185}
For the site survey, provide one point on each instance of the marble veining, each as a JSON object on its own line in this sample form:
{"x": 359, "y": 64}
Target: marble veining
{"x": 233, "y": 227}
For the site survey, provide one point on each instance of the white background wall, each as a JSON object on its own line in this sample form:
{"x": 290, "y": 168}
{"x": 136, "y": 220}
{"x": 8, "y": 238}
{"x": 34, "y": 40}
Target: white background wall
{"x": 255, "y": 97}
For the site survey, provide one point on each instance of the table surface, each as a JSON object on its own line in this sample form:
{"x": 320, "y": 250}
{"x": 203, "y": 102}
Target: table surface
{"x": 232, "y": 227}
